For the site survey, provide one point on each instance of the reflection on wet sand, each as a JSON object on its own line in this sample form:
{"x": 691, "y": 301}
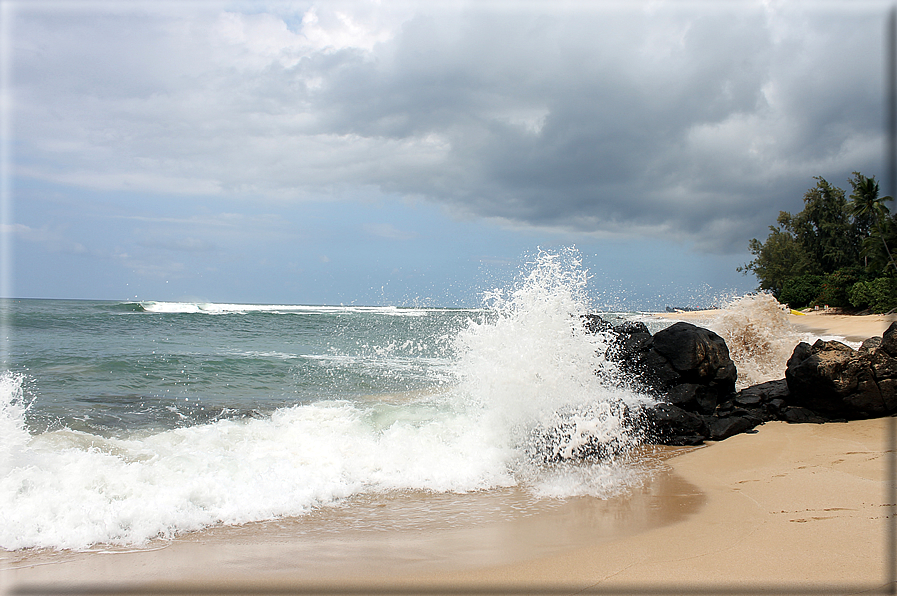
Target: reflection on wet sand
{"x": 375, "y": 537}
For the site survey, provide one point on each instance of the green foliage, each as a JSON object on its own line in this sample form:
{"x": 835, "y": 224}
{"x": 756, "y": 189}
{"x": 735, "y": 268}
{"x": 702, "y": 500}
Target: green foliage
{"x": 868, "y": 209}
{"x": 824, "y": 228}
{"x": 778, "y": 259}
{"x": 817, "y": 256}
{"x": 874, "y": 223}
{"x": 800, "y": 291}
{"x": 835, "y": 288}
{"x": 879, "y": 295}
{"x": 876, "y": 249}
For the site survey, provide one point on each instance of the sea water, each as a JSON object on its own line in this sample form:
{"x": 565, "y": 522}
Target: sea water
{"x": 125, "y": 422}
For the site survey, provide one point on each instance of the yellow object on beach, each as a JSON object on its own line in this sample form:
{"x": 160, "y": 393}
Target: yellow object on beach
{"x": 797, "y": 312}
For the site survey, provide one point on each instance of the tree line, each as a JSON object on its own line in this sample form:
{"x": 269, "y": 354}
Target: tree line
{"x": 838, "y": 251}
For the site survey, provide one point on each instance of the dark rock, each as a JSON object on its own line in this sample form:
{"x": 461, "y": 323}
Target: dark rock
{"x": 834, "y": 380}
{"x": 889, "y": 340}
{"x": 595, "y": 324}
{"x": 764, "y": 392}
{"x": 883, "y": 365}
{"x": 683, "y": 364}
{"x": 656, "y": 372}
{"x": 723, "y": 428}
{"x": 692, "y": 397}
{"x": 628, "y": 349}
{"x": 870, "y": 344}
{"x": 888, "y": 388}
{"x": 671, "y": 425}
{"x": 763, "y": 401}
{"x": 801, "y": 415}
{"x": 698, "y": 354}
{"x": 774, "y": 407}
{"x": 689, "y": 371}
{"x": 631, "y": 328}
{"x": 750, "y": 399}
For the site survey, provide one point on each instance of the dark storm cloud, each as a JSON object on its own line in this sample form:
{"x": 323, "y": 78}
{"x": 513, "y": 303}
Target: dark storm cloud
{"x": 681, "y": 124}
{"x": 684, "y": 121}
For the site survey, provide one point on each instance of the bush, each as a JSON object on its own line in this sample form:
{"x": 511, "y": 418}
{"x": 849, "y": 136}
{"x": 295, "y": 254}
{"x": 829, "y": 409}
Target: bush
{"x": 878, "y": 295}
{"x": 835, "y": 288}
{"x": 801, "y": 291}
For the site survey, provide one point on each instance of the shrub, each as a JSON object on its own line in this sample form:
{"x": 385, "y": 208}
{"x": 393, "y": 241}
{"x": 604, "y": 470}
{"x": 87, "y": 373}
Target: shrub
{"x": 878, "y": 295}
{"x": 801, "y": 291}
{"x": 835, "y": 288}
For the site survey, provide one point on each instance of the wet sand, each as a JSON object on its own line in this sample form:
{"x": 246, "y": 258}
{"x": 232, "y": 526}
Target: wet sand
{"x": 791, "y": 507}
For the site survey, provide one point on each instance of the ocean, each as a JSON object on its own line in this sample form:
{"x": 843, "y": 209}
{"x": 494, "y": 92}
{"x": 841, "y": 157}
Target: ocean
{"x": 124, "y": 423}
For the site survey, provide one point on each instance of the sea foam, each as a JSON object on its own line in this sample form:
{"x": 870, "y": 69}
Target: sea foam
{"x": 521, "y": 370}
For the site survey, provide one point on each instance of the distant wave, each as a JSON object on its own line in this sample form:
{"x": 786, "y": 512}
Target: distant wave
{"x": 212, "y": 308}
{"x": 125, "y": 307}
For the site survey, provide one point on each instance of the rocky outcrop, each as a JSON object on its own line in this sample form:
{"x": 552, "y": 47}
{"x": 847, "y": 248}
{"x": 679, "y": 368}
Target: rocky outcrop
{"x": 688, "y": 365}
{"x": 688, "y": 370}
{"x": 835, "y": 381}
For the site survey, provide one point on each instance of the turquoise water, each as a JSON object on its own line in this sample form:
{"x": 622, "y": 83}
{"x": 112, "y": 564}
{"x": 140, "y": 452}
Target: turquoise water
{"x": 126, "y": 422}
{"x": 113, "y": 368}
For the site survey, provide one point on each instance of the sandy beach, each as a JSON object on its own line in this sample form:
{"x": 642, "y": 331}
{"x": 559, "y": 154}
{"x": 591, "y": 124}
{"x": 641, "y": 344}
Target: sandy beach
{"x": 851, "y": 327}
{"x": 788, "y": 509}
{"x": 854, "y": 328}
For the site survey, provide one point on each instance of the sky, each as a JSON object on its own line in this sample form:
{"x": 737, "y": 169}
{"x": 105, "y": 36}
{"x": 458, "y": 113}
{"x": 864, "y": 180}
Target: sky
{"x": 420, "y": 153}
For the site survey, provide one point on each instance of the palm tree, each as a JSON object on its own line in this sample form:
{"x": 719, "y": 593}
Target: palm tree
{"x": 876, "y": 246}
{"x": 870, "y": 213}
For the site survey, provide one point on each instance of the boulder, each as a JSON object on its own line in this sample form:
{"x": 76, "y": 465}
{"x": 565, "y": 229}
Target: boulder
{"x": 684, "y": 365}
{"x": 699, "y": 355}
{"x": 835, "y": 381}
{"x": 889, "y": 341}
{"x": 800, "y": 415}
{"x": 689, "y": 371}
{"x": 671, "y": 425}
{"x": 723, "y": 428}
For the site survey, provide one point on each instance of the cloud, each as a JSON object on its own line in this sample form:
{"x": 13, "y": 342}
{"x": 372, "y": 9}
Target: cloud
{"x": 691, "y": 122}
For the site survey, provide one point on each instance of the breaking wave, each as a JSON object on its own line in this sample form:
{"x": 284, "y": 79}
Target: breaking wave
{"x": 526, "y": 390}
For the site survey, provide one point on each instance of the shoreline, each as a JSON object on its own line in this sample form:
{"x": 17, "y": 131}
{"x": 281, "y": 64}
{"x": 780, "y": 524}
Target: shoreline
{"x": 379, "y": 537}
{"x": 854, "y": 328}
{"x": 792, "y": 506}
{"x": 795, "y": 507}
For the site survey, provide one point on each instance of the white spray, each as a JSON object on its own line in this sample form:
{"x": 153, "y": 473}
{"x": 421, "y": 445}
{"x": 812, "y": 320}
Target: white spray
{"x": 526, "y": 393}
{"x": 535, "y": 373}
{"x": 759, "y": 336}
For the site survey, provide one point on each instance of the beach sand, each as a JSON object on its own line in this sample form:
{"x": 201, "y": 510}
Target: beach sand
{"x": 851, "y": 327}
{"x": 826, "y": 323}
{"x": 788, "y": 509}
